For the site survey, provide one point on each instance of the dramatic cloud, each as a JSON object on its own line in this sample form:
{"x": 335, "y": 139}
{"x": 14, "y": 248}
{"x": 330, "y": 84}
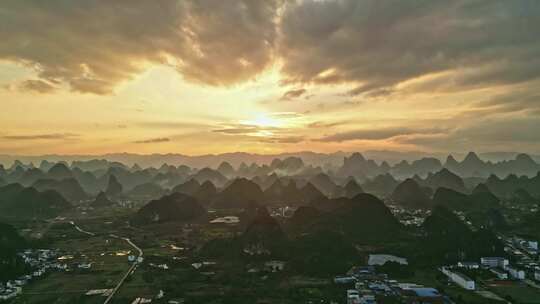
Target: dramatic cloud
{"x": 451, "y": 74}
{"x": 266, "y": 134}
{"x": 524, "y": 98}
{"x": 379, "y": 44}
{"x": 325, "y": 125}
{"x": 285, "y": 140}
{"x": 239, "y": 129}
{"x": 171, "y": 125}
{"x": 38, "y": 86}
{"x": 376, "y": 134}
{"x": 491, "y": 134}
{"x": 153, "y": 140}
{"x": 93, "y": 45}
{"x": 51, "y": 136}
{"x": 292, "y": 94}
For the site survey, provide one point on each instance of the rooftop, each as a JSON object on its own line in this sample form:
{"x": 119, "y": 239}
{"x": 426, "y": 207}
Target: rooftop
{"x": 426, "y": 292}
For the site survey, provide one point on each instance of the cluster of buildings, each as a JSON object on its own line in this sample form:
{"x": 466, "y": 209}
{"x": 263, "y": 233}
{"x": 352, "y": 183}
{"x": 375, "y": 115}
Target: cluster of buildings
{"x": 7, "y": 293}
{"x": 284, "y": 212}
{"x": 229, "y": 220}
{"x": 369, "y": 286}
{"x": 525, "y": 253}
{"x": 40, "y": 261}
{"x": 141, "y": 301}
{"x": 500, "y": 267}
{"x": 408, "y": 217}
{"x": 159, "y": 266}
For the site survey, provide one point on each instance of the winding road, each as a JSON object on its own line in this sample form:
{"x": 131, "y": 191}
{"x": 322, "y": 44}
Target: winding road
{"x": 81, "y": 230}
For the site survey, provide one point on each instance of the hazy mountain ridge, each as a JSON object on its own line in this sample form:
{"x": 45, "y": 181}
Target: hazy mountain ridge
{"x": 354, "y": 175}
{"x": 235, "y": 159}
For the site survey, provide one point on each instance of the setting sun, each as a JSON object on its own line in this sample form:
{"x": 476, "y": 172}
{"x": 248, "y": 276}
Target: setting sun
{"x": 263, "y": 120}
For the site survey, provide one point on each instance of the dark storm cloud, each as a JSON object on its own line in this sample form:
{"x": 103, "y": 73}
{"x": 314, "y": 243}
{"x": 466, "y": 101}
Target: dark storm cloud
{"x": 153, "y": 140}
{"x": 93, "y": 45}
{"x": 377, "y": 134}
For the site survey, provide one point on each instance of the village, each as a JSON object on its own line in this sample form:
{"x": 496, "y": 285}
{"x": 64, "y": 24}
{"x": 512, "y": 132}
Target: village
{"x": 371, "y": 286}
{"x": 41, "y": 261}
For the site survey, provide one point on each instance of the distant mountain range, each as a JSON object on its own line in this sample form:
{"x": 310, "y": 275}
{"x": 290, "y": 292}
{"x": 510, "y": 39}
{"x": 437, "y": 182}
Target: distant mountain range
{"x": 82, "y": 180}
{"x": 174, "y": 169}
{"x": 236, "y": 158}
{"x": 27, "y": 202}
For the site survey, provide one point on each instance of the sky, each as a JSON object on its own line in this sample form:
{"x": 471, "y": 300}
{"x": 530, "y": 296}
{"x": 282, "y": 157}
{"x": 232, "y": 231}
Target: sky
{"x": 213, "y": 76}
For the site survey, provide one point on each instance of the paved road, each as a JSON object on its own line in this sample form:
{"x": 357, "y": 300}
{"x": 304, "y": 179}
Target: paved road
{"x": 131, "y": 269}
{"x": 81, "y": 230}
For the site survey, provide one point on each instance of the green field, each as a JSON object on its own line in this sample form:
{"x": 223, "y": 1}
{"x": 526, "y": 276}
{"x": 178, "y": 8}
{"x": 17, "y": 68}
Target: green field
{"x": 517, "y": 292}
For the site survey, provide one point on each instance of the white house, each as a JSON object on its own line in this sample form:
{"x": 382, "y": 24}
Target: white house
{"x": 85, "y": 265}
{"x": 516, "y": 273}
{"x": 537, "y": 275}
{"x": 353, "y": 296}
{"x": 468, "y": 265}
{"x": 38, "y": 273}
{"x": 275, "y": 266}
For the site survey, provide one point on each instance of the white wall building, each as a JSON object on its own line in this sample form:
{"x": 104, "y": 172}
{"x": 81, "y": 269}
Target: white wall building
{"x": 381, "y": 259}
{"x": 459, "y": 278}
{"x": 493, "y": 262}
